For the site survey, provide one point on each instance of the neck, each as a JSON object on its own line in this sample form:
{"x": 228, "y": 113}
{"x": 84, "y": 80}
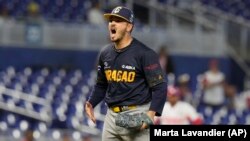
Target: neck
{"x": 173, "y": 103}
{"x": 124, "y": 42}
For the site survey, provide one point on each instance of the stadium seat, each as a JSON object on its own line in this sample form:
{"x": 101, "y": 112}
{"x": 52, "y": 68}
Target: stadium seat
{"x": 234, "y": 7}
{"x": 61, "y": 10}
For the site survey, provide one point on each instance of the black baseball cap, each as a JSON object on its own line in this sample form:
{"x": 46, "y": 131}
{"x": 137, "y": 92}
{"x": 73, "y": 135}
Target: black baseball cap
{"x": 121, "y": 12}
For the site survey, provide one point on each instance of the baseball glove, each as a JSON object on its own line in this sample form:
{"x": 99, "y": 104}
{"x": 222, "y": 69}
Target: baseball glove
{"x": 132, "y": 120}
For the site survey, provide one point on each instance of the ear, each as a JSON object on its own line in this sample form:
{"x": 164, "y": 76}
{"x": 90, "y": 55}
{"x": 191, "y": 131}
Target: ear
{"x": 129, "y": 27}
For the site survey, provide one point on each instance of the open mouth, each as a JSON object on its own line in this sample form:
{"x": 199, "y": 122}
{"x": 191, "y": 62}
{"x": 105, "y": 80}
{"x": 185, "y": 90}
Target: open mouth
{"x": 113, "y": 31}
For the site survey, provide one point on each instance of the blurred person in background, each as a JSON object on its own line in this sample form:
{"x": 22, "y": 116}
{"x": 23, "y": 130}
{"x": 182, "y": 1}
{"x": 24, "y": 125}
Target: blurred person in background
{"x": 165, "y": 60}
{"x": 177, "y": 112}
{"x": 167, "y": 65}
{"x": 242, "y": 101}
{"x": 230, "y": 96}
{"x": 183, "y": 83}
{"x": 34, "y": 24}
{"x": 95, "y": 14}
{"x": 248, "y": 102}
{"x": 87, "y": 138}
{"x": 4, "y": 15}
{"x": 4, "y": 12}
{"x": 66, "y": 137}
{"x": 33, "y": 12}
{"x": 28, "y": 135}
{"x": 213, "y": 85}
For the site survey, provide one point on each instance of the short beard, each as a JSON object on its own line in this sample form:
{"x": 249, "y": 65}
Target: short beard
{"x": 121, "y": 37}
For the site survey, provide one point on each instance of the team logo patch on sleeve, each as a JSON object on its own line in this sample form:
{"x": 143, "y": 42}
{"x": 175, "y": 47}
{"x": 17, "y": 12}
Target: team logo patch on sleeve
{"x": 154, "y": 77}
{"x": 151, "y": 67}
{"x": 99, "y": 67}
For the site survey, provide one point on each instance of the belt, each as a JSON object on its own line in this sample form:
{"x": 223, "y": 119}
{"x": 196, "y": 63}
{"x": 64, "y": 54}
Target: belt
{"x": 118, "y": 109}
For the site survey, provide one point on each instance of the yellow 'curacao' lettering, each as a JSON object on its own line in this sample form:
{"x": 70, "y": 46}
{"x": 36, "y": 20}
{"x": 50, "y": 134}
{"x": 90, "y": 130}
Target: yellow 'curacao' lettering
{"x": 120, "y": 76}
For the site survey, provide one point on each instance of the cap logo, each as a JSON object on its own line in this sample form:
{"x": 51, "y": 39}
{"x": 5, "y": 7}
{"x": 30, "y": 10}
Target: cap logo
{"x": 117, "y": 10}
{"x": 131, "y": 18}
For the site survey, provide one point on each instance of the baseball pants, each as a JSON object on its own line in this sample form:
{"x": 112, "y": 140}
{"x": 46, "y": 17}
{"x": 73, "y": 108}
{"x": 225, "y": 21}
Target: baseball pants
{"x": 111, "y": 132}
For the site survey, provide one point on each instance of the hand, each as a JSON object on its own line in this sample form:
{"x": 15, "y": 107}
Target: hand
{"x": 90, "y": 111}
{"x": 151, "y": 114}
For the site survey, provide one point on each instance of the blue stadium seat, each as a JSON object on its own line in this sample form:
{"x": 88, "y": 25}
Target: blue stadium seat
{"x": 64, "y": 11}
{"x": 241, "y": 120}
{"x": 21, "y": 103}
{"x": 234, "y": 7}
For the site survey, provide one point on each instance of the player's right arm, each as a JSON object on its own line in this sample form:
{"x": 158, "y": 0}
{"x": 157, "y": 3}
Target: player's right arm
{"x": 99, "y": 90}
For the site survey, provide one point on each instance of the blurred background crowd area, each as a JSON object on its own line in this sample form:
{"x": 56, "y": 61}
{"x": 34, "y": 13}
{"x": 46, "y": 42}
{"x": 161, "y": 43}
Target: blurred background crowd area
{"x": 48, "y": 51}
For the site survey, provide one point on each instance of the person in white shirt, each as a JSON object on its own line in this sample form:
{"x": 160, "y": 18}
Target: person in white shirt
{"x": 213, "y": 85}
{"x": 177, "y": 112}
{"x": 95, "y": 15}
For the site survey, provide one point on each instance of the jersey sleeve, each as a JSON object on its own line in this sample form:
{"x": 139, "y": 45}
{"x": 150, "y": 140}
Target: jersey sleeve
{"x": 101, "y": 78}
{"x": 152, "y": 69}
{"x": 99, "y": 90}
{"x": 156, "y": 81}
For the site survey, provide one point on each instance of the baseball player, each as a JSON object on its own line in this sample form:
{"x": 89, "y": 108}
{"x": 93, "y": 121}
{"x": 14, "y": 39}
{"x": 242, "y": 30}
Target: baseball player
{"x": 176, "y": 112}
{"x": 129, "y": 79}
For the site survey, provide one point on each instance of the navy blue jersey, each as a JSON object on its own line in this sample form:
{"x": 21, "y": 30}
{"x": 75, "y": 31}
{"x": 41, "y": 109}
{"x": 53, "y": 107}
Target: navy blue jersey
{"x": 128, "y": 74}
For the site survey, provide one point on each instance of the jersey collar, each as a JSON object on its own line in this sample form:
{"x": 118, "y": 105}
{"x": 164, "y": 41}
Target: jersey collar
{"x": 123, "y": 49}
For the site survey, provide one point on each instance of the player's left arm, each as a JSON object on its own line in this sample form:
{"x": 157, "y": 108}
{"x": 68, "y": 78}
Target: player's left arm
{"x": 156, "y": 80}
